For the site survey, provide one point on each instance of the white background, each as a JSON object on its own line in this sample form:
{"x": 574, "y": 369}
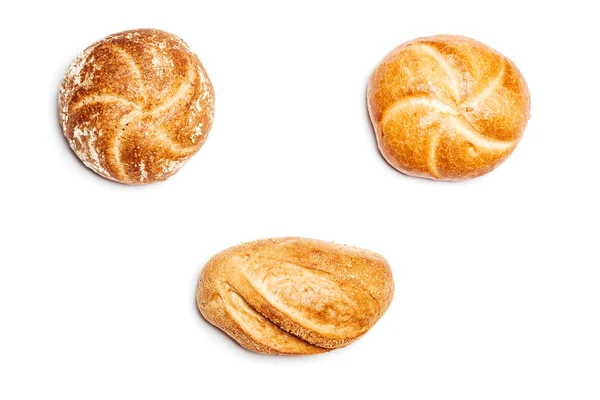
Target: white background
{"x": 497, "y": 279}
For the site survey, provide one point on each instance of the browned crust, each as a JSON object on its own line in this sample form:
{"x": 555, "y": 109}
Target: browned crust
{"x": 316, "y": 295}
{"x": 136, "y": 105}
{"x": 447, "y": 107}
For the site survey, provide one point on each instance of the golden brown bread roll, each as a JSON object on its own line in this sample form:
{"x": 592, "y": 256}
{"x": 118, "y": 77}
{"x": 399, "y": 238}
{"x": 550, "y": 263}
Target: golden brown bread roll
{"x": 447, "y": 107}
{"x": 136, "y": 105}
{"x": 294, "y": 296}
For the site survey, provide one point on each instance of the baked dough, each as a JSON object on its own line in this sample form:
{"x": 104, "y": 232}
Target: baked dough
{"x": 447, "y": 107}
{"x": 136, "y": 105}
{"x": 294, "y": 296}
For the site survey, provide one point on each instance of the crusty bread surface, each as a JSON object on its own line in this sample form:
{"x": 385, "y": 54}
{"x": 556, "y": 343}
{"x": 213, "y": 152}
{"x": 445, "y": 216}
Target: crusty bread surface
{"x": 294, "y": 296}
{"x": 136, "y": 105}
{"x": 447, "y": 107}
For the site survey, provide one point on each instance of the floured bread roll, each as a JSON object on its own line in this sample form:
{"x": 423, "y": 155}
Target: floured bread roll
{"x": 136, "y": 105}
{"x": 294, "y": 296}
{"x": 447, "y": 107}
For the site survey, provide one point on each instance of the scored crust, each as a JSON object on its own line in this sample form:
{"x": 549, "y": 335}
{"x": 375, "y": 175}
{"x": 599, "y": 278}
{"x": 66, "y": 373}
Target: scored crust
{"x": 136, "y": 105}
{"x": 294, "y": 296}
{"x": 447, "y": 107}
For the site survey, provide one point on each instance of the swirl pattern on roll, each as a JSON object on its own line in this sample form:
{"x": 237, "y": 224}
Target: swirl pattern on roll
{"x": 447, "y": 107}
{"x": 136, "y": 105}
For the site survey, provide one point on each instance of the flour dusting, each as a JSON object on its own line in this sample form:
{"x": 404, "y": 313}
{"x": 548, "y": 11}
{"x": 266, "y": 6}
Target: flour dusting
{"x": 84, "y": 144}
{"x": 197, "y": 132}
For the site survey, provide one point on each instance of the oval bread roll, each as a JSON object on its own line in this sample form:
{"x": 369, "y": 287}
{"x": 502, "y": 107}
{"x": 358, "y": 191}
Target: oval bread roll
{"x": 447, "y": 107}
{"x": 294, "y": 296}
{"x": 136, "y": 105}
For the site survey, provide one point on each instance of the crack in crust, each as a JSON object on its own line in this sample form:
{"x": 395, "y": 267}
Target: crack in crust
{"x": 432, "y": 163}
{"x": 103, "y": 98}
{"x": 411, "y": 101}
{"x": 469, "y": 133}
{"x": 487, "y": 91}
{"x": 134, "y": 68}
{"x": 439, "y": 58}
{"x": 252, "y": 321}
{"x": 182, "y": 91}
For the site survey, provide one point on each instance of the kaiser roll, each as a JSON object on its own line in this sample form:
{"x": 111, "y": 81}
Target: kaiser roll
{"x": 136, "y": 105}
{"x": 294, "y": 296}
{"x": 447, "y": 107}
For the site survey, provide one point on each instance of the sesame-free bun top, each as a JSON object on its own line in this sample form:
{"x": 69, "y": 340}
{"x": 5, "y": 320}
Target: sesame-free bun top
{"x": 294, "y": 296}
{"x": 447, "y": 107}
{"x": 136, "y": 105}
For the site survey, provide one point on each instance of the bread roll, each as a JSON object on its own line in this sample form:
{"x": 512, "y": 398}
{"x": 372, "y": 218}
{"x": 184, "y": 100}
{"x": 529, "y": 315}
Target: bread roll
{"x": 294, "y": 296}
{"x": 136, "y": 105}
{"x": 447, "y": 107}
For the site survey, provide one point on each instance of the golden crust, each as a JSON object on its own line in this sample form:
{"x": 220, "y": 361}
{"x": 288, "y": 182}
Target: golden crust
{"x": 136, "y": 105}
{"x": 294, "y": 296}
{"x": 447, "y": 107}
